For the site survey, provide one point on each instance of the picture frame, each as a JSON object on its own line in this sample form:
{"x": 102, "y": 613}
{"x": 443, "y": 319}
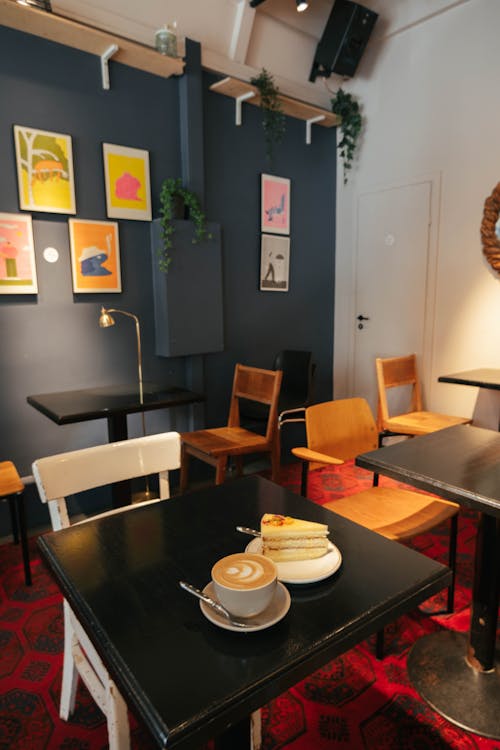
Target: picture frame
{"x": 275, "y": 204}
{"x": 45, "y": 177}
{"x": 274, "y": 263}
{"x": 95, "y": 256}
{"x": 17, "y": 255}
{"x": 127, "y": 182}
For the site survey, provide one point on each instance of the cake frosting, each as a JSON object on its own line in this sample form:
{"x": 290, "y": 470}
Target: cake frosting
{"x": 285, "y": 538}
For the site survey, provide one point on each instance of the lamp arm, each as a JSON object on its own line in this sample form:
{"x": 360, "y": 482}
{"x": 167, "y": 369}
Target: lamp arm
{"x": 139, "y": 347}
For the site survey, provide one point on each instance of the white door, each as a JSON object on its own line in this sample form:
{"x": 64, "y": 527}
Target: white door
{"x": 393, "y": 230}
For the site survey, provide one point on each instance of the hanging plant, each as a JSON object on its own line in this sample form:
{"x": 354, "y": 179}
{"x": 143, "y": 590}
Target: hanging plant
{"x": 273, "y": 120}
{"x": 347, "y": 108}
{"x": 172, "y": 192}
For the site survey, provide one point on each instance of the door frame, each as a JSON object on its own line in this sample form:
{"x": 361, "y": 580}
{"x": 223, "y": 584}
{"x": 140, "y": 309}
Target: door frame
{"x": 345, "y": 287}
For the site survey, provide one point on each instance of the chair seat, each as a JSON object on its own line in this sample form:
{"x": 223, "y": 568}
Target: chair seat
{"x": 231, "y": 441}
{"x": 421, "y": 422}
{"x": 396, "y": 513}
{"x": 10, "y": 482}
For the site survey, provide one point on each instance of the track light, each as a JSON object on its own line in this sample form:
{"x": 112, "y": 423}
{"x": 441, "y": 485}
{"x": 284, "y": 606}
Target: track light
{"x": 302, "y": 5}
{"x": 40, "y": 4}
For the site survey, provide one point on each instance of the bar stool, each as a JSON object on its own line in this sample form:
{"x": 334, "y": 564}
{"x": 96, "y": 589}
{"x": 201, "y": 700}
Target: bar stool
{"x": 12, "y": 490}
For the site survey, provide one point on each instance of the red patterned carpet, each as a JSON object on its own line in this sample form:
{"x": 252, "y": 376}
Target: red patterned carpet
{"x": 353, "y": 703}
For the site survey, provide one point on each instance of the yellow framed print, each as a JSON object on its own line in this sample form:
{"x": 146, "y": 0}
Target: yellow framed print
{"x": 45, "y": 176}
{"x": 95, "y": 256}
{"x": 126, "y": 176}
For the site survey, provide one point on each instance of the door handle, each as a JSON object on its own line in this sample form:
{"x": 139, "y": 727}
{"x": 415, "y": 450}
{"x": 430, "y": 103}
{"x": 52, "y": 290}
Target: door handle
{"x": 361, "y": 318}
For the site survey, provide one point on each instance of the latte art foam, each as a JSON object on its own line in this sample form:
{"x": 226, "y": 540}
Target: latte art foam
{"x": 243, "y": 571}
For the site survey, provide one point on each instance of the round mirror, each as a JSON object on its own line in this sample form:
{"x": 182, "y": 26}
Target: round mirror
{"x": 490, "y": 229}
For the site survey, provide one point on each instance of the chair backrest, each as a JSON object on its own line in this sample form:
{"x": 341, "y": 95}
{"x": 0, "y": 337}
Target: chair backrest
{"x": 76, "y": 471}
{"x": 255, "y": 384}
{"x": 296, "y": 386}
{"x": 397, "y": 372}
{"x": 343, "y": 428}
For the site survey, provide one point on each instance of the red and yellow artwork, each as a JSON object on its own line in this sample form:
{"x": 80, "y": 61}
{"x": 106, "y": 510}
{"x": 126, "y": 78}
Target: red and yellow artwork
{"x": 126, "y": 172}
{"x": 44, "y": 171}
{"x": 17, "y": 255}
{"x": 95, "y": 256}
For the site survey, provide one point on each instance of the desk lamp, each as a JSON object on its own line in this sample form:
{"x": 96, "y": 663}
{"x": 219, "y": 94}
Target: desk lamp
{"x": 106, "y": 320}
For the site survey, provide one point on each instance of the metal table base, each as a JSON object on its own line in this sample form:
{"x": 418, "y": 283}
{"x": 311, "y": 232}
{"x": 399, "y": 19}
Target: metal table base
{"x": 439, "y": 671}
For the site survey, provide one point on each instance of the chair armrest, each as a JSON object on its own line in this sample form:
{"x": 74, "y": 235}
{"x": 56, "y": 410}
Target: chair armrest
{"x": 305, "y": 454}
{"x": 291, "y": 415}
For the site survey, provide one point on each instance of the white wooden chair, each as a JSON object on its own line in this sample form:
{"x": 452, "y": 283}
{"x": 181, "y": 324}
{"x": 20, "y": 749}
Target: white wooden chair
{"x": 66, "y": 474}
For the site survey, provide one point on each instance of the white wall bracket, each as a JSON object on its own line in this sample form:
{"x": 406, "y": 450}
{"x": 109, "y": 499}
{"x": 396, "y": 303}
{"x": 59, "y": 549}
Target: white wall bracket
{"x": 105, "y": 58}
{"x": 310, "y": 122}
{"x": 239, "y": 100}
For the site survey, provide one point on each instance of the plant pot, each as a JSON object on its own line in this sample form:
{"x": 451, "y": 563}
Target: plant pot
{"x": 180, "y": 210}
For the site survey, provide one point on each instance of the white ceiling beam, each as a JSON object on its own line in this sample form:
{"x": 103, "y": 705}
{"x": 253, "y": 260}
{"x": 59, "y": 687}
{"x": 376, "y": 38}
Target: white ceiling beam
{"x": 242, "y": 31}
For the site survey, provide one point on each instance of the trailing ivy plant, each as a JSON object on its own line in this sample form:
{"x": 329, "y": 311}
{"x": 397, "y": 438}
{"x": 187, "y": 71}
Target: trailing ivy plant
{"x": 172, "y": 189}
{"x": 347, "y": 108}
{"x": 273, "y": 120}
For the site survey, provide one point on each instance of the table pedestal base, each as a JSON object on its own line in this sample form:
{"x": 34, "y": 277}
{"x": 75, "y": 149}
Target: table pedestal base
{"x": 438, "y": 670}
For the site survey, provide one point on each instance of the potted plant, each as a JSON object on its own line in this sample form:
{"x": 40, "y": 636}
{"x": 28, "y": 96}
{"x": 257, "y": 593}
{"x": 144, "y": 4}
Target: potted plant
{"x": 177, "y": 201}
{"x": 273, "y": 120}
{"x": 347, "y": 108}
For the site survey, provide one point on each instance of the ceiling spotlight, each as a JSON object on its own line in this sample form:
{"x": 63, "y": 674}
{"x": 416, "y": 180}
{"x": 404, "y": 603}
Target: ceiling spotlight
{"x": 40, "y": 4}
{"x": 302, "y": 5}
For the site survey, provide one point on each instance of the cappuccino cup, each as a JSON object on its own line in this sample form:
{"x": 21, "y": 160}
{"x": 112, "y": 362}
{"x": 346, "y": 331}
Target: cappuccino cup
{"x": 244, "y": 583}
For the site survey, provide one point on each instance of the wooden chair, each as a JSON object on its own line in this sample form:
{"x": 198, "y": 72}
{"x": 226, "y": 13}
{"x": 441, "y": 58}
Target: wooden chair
{"x": 12, "y": 490}
{"x": 215, "y": 446}
{"x": 341, "y": 430}
{"x": 401, "y": 372}
{"x": 68, "y": 473}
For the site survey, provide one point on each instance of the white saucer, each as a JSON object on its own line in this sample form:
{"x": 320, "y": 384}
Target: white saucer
{"x": 303, "y": 571}
{"x": 280, "y": 604}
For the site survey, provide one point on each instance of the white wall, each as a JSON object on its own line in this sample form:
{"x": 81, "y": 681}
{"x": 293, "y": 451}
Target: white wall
{"x": 430, "y": 94}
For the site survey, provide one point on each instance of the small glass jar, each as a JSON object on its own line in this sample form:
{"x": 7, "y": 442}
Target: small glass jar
{"x": 166, "y": 40}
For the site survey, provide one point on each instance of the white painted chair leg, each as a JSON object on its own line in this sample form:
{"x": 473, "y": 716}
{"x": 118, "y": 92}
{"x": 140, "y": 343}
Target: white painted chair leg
{"x": 70, "y": 673}
{"x": 256, "y": 730}
{"x": 117, "y": 718}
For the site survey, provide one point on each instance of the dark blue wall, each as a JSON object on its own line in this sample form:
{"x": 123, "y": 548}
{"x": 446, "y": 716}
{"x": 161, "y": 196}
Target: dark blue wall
{"x": 52, "y": 342}
{"x": 259, "y": 324}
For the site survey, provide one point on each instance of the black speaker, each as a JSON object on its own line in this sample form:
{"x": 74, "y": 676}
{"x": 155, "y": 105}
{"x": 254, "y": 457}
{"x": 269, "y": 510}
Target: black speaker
{"x": 344, "y": 40}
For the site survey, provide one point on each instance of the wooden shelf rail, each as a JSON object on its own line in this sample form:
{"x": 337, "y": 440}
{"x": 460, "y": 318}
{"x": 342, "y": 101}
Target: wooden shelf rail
{"x": 241, "y": 92}
{"x": 88, "y": 39}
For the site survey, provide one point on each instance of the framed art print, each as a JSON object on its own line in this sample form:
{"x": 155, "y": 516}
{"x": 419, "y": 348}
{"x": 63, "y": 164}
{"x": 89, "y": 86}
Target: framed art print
{"x": 275, "y": 204}
{"x": 274, "y": 263}
{"x": 126, "y": 174}
{"x": 17, "y": 255}
{"x": 45, "y": 177}
{"x": 95, "y": 256}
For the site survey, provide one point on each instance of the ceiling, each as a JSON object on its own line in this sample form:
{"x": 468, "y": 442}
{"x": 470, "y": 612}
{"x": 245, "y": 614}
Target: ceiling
{"x": 235, "y": 39}
{"x": 239, "y": 41}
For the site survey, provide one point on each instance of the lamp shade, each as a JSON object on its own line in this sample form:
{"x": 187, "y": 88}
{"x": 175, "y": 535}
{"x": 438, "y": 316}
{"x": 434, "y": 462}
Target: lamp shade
{"x": 105, "y": 319}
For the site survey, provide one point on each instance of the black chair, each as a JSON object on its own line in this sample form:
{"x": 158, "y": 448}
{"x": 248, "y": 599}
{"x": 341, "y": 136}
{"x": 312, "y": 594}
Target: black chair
{"x": 296, "y": 386}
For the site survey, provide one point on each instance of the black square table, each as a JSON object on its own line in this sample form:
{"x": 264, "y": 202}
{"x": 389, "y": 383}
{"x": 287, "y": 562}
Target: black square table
{"x": 185, "y": 678}
{"x": 112, "y": 403}
{"x": 458, "y": 675}
{"x": 487, "y": 407}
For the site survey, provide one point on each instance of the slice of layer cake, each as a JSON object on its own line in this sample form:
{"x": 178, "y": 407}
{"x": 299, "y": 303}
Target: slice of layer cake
{"x": 285, "y": 539}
